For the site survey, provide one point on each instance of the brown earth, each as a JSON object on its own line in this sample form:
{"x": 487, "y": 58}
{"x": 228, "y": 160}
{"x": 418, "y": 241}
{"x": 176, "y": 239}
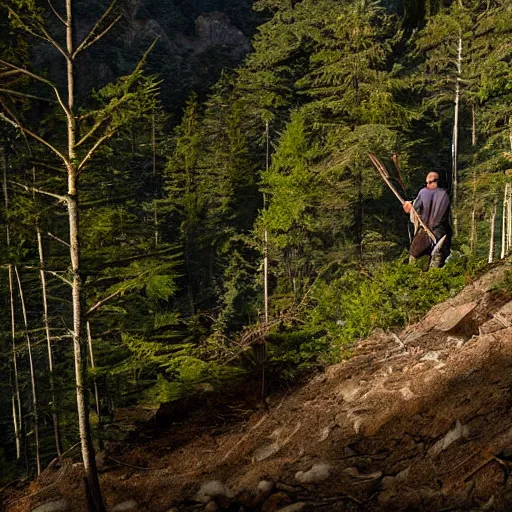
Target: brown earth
{"x": 417, "y": 420}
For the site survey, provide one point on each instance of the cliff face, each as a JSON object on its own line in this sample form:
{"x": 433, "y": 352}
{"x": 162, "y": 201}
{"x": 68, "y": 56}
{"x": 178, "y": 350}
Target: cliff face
{"x": 186, "y": 58}
{"x": 193, "y": 46}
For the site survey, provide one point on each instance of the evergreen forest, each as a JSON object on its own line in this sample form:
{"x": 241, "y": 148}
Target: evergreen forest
{"x": 179, "y": 221}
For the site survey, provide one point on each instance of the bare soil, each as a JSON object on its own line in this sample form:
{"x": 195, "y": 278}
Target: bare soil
{"x": 416, "y": 420}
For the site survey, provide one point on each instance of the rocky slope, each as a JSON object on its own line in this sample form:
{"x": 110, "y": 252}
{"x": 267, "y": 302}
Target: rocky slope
{"x": 417, "y": 420}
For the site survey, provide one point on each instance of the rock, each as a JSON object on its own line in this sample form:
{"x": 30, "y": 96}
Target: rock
{"x": 354, "y": 473}
{"x": 406, "y": 393}
{"x": 211, "y": 506}
{"x": 432, "y": 356}
{"x": 453, "y": 435}
{"x": 210, "y": 489}
{"x": 490, "y": 326}
{"x": 265, "y": 486}
{"x": 276, "y": 502}
{"x": 125, "y": 505}
{"x": 348, "y": 390}
{"x": 388, "y": 482}
{"x": 324, "y": 434}
{"x": 52, "y": 506}
{"x": 454, "y": 316}
{"x": 504, "y": 314}
{"x": 296, "y": 507}
{"x": 266, "y": 451}
{"x": 317, "y": 473}
{"x": 287, "y": 488}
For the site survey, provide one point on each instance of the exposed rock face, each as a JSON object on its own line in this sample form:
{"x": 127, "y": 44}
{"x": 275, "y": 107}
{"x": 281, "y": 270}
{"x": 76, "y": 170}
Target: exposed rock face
{"x": 211, "y": 29}
{"x": 215, "y": 28}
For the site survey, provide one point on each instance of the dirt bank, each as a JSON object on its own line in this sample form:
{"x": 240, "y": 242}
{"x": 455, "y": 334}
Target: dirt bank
{"x": 418, "y": 420}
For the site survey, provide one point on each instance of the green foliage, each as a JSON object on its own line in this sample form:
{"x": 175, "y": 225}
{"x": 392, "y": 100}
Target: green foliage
{"x": 350, "y": 307}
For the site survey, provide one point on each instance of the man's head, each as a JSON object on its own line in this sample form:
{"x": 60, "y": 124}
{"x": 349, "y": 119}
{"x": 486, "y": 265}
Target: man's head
{"x": 432, "y": 179}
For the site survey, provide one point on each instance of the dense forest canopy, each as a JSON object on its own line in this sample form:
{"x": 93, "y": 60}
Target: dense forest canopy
{"x": 183, "y": 181}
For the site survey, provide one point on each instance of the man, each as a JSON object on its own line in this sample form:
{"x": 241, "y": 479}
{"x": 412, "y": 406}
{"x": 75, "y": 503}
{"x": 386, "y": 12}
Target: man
{"x": 433, "y": 206}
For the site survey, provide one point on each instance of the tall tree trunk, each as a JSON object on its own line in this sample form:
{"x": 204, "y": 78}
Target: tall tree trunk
{"x": 17, "y": 412}
{"x": 473, "y": 234}
{"x": 55, "y": 415}
{"x": 32, "y": 372}
{"x": 95, "y": 499}
{"x": 509, "y": 219}
{"x": 265, "y": 234}
{"x": 455, "y": 139}
{"x": 504, "y": 223}
{"x": 153, "y": 152}
{"x": 359, "y": 215}
{"x": 493, "y": 228}
{"x": 16, "y": 398}
{"x": 95, "y": 383}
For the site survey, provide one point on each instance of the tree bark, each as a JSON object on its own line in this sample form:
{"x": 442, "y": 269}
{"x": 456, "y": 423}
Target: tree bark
{"x": 95, "y": 499}
{"x": 95, "y": 383}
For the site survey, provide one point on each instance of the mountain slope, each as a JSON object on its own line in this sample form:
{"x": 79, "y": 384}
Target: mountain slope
{"x": 418, "y": 420}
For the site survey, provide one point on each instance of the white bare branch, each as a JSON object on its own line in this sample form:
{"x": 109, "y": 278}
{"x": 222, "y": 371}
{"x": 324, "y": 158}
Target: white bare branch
{"x": 11, "y": 92}
{"x": 91, "y": 152}
{"x": 60, "y": 198}
{"x": 59, "y": 17}
{"x": 44, "y": 35}
{"x": 55, "y": 237}
{"x": 92, "y": 37}
{"x": 11, "y": 119}
{"x": 40, "y": 79}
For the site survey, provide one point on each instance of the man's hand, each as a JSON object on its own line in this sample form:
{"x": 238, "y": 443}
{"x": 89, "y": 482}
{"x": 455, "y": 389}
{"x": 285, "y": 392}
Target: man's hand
{"x": 407, "y": 206}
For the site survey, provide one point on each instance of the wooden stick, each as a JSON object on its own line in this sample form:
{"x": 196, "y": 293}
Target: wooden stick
{"x": 385, "y": 176}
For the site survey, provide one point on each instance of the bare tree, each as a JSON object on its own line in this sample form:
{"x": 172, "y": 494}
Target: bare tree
{"x": 16, "y": 398}
{"x": 32, "y": 371}
{"x": 82, "y": 145}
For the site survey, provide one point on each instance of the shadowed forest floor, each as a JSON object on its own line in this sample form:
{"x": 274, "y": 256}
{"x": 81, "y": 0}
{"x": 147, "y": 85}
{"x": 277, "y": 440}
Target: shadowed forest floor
{"x": 416, "y": 420}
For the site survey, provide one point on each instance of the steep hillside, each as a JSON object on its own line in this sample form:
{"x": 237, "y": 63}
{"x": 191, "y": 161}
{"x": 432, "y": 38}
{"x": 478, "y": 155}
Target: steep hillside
{"x": 417, "y": 420}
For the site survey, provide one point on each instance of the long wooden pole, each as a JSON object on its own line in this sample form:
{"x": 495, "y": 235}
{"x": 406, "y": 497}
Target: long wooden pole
{"x": 385, "y": 176}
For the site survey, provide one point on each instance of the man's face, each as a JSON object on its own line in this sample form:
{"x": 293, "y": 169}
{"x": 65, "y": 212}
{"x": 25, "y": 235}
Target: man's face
{"x": 431, "y": 180}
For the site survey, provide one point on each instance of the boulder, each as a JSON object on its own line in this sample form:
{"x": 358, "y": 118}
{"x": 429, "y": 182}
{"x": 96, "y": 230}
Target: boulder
{"x": 53, "y": 506}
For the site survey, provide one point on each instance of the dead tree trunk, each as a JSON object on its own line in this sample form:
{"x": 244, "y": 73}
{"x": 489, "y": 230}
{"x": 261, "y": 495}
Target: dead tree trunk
{"x": 504, "y": 223}
{"x": 473, "y": 233}
{"x": 95, "y": 383}
{"x": 32, "y": 372}
{"x": 55, "y": 415}
{"x": 16, "y": 398}
{"x": 455, "y": 139}
{"x": 493, "y": 228}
